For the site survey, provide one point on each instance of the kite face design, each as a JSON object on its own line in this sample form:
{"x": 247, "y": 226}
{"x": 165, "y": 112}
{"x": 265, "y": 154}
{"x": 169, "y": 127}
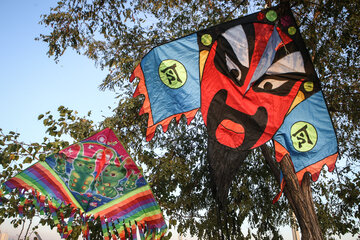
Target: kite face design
{"x": 255, "y": 81}
{"x": 248, "y": 86}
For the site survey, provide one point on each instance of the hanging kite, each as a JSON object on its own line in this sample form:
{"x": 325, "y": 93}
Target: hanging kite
{"x": 254, "y": 81}
{"x": 98, "y": 178}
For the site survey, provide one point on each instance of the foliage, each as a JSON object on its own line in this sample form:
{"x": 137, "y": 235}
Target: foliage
{"x": 117, "y": 33}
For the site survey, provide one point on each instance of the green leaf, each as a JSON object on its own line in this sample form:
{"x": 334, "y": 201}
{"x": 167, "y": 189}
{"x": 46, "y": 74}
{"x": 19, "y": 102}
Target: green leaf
{"x": 28, "y": 160}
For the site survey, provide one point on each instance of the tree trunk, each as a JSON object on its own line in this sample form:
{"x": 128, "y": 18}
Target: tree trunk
{"x": 299, "y": 196}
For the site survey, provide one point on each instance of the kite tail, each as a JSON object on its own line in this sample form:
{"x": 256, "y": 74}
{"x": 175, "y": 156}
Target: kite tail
{"x": 123, "y": 230}
{"x": 47, "y": 206}
{"x": 85, "y": 226}
{"x": 120, "y": 229}
{"x": 112, "y": 231}
{"x": 69, "y": 224}
{"x": 134, "y": 231}
{"x": 141, "y": 227}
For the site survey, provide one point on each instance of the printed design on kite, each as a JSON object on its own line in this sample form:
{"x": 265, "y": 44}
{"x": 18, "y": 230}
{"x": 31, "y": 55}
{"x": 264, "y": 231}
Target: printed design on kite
{"x": 89, "y": 161}
{"x": 81, "y": 176}
{"x": 172, "y": 73}
{"x": 133, "y": 177}
{"x": 131, "y": 182}
{"x": 168, "y": 77}
{"x": 109, "y": 181}
{"x": 252, "y": 76}
{"x": 303, "y": 136}
{"x": 97, "y": 170}
{"x": 60, "y": 167}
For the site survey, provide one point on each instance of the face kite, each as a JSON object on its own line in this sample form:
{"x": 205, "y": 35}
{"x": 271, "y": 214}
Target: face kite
{"x": 98, "y": 178}
{"x": 254, "y": 81}
{"x": 248, "y": 86}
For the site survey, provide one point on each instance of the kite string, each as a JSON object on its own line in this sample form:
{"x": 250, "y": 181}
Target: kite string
{"x": 269, "y": 5}
{"x": 286, "y": 50}
{"x": 282, "y": 41}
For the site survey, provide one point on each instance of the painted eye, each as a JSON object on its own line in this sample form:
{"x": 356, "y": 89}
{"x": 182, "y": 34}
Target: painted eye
{"x": 271, "y": 84}
{"x": 113, "y": 174}
{"x": 91, "y": 167}
{"x": 234, "y": 70}
{"x": 80, "y": 164}
{"x": 106, "y": 170}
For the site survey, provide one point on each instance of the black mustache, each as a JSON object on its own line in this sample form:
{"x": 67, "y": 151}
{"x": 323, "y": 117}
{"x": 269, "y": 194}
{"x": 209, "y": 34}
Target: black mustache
{"x": 254, "y": 125}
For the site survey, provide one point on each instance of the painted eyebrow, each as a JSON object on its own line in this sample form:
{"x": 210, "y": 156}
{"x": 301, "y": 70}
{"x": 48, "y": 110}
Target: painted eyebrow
{"x": 237, "y": 39}
{"x": 290, "y": 63}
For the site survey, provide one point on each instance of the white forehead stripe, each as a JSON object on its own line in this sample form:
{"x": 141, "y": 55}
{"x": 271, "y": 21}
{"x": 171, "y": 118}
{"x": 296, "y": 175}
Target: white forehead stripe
{"x": 290, "y": 63}
{"x": 238, "y": 41}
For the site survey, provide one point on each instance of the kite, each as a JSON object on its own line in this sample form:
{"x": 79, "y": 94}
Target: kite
{"x": 253, "y": 81}
{"x": 98, "y": 178}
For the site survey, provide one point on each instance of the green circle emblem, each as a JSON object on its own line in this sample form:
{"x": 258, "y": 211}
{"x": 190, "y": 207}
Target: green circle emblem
{"x": 206, "y": 39}
{"x": 271, "y": 15}
{"x": 172, "y": 73}
{"x": 303, "y": 136}
{"x": 292, "y": 30}
{"x": 308, "y": 86}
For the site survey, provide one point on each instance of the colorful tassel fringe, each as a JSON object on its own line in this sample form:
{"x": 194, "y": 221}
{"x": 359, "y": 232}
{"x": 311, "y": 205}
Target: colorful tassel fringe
{"x": 112, "y": 229}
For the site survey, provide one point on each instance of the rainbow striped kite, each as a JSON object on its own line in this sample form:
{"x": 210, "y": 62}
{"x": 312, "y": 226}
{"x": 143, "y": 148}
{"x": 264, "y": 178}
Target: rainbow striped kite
{"x": 98, "y": 178}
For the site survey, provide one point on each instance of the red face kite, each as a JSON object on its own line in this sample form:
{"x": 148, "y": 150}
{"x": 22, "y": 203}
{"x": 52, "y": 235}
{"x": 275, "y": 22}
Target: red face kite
{"x": 249, "y": 82}
{"x": 253, "y": 80}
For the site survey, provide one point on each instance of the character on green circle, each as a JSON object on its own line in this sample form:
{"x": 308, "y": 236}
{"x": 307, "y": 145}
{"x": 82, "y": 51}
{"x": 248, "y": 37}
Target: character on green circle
{"x": 172, "y": 73}
{"x": 303, "y": 136}
{"x": 109, "y": 180}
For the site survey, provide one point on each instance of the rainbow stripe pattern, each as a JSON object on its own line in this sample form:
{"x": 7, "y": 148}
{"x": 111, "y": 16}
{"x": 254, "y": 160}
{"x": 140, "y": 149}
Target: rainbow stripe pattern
{"x": 98, "y": 178}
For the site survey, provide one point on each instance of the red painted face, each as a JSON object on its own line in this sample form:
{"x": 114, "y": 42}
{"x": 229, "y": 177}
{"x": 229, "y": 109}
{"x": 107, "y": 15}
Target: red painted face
{"x": 251, "y": 77}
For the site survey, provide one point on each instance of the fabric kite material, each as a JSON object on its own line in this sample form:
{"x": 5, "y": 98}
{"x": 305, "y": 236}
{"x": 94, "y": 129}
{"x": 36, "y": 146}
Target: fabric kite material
{"x": 254, "y": 81}
{"x": 97, "y": 177}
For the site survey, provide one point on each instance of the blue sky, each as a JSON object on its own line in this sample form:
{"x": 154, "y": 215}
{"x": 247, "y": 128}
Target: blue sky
{"x": 31, "y": 83}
